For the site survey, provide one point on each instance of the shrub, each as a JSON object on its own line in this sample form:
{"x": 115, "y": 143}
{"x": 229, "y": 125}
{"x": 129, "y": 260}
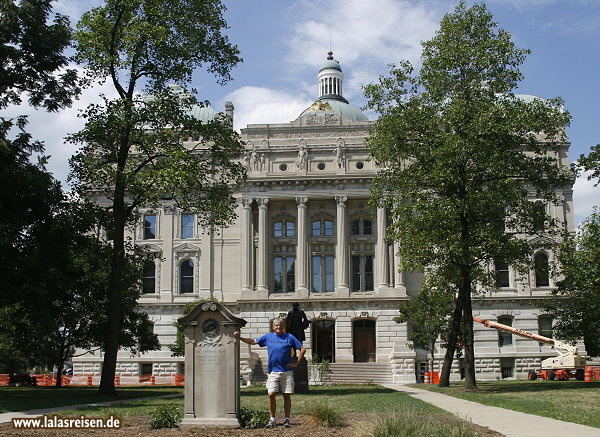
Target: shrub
{"x": 415, "y": 425}
{"x": 165, "y": 416}
{"x": 253, "y": 419}
{"x": 325, "y": 415}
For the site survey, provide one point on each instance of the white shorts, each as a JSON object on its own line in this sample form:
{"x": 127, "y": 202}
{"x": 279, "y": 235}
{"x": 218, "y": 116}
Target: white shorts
{"x": 281, "y": 382}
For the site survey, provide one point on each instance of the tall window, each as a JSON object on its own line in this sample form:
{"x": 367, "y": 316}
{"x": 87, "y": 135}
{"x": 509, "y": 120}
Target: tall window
{"x": 186, "y": 277}
{"x": 545, "y": 326}
{"x": 322, "y": 273}
{"x": 283, "y": 269}
{"x": 187, "y": 225}
{"x": 149, "y": 226}
{"x": 361, "y": 227}
{"x": 501, "y": 273}
{"x": 505, "y": 338}
{"x": 362, "y": 273}
{"x": 539, "y": 216}
{"x": 542, "y": 270}
{"x": 284, "y": 228}
{"x": 149, "y": 278}
{"x": 323, "y": 228}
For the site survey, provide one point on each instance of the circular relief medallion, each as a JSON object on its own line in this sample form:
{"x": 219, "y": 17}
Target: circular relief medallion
{"x": 210, "y": 327}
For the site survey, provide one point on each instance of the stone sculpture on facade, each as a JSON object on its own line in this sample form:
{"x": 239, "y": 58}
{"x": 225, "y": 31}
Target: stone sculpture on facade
{"x": 302, "y": 157}
{"x": 339, "y": 154}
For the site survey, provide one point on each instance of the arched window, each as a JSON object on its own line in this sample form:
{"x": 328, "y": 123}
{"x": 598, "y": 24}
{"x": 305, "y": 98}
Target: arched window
{"x": 284, "y": 228}
{"x": 505, "y": 338}
{"x": 323, "y": 227}
{"x": 542, "y": 270}
{"x": 149, "y": 278}
{"x": 186, "y": 277}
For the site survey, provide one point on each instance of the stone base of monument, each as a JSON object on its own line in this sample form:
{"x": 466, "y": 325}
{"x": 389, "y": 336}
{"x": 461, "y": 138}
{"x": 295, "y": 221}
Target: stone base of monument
{"x": 220, "y": 422}
{"x": 301, "y": 378}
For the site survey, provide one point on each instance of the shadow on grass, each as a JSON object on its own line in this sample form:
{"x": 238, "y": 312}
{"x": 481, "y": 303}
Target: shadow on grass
{"x": 326, "y": 390}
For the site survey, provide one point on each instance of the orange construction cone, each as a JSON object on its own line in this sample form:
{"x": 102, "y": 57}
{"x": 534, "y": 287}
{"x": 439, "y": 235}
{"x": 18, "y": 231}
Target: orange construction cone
{"x": 426, "y": 379}
{"x": 588, "y": 374}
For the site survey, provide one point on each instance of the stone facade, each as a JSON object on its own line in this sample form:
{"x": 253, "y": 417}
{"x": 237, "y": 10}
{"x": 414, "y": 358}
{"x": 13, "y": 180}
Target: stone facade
{"x": 306, "y": 233}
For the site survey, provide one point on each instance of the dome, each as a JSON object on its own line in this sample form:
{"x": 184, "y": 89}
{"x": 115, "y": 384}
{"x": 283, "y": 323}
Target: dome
{"x": 335, "y": 106}
{"x": 202, "y": 113}
{"x": 333, "y": 64}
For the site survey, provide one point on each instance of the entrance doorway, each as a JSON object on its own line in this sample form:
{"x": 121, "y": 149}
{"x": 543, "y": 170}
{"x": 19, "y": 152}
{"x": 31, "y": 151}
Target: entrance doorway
{"x": 323, "y": 340}
{"x": 363, "y": 343}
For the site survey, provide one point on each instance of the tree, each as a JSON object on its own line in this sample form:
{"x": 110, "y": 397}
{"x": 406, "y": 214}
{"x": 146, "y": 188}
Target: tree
{"x": 428, "y": 313}
{"x": 461, "y": 158}
{"x": 591, "y": 162}
{"x": 133, "y": 153}
{"x": 576, "y": 301}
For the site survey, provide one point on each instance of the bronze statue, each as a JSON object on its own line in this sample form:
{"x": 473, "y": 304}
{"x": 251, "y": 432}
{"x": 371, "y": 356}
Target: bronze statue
{"x": 296, "y": 322}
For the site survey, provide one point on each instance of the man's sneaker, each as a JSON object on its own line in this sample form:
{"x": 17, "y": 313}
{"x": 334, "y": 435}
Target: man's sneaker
{"x": 287, "y": 423}
{"x": 271, "y": 424}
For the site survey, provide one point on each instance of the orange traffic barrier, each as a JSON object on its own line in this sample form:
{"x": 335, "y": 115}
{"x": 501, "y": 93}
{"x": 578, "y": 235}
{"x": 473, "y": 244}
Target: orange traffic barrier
{"x": 5, "y": 379}
{"x": 89, "y": 380}
{"x": 588, "y": 374}
{"x": 595, "y": 372}
{"x": 435, "y": 379}
{"x": 117, "y": 380}
{"x": 179, "y": 379}
{"x": 152, "y": 380}
{"x": 426, "y": 379}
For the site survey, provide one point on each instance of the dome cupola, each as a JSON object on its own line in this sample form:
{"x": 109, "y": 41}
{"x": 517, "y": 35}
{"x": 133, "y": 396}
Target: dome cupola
{"x": 331, "y": 79}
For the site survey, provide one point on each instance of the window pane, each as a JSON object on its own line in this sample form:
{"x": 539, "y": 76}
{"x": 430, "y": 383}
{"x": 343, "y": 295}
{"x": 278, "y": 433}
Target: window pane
{"x": 149, "y": 280}
{"x": 369, "y": 273}
{"x": 355, "y": 227}
{"x": 367, "y": 227}
{"x": 355, "y": 273}
{"x": 277, "y": 272}
{"x": 328, "y": 228}
{"x": 290, "y": 282}
{"x": 290, "y": 230}
{"x": 316, "y": 228}
{"x": 501, "y": 272}
{"x": 316, "y": 274}
{"x": 505, "y": 338}
{"x": 539, "y": 216}
{"x": 187, "y": 277}
{"x": 278, "y": 229}
{"x": 187, "y": 226}
{"x": 545, "y": 326}
{"x": 329, "y": 281}
{"x": 149, "y": 227}
{"x": 542, "y": 276}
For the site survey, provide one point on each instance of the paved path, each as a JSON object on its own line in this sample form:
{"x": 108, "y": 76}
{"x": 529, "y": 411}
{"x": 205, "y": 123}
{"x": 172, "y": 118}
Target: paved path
{"x": 508, "y": 422}
{"x": 7, "y": 417}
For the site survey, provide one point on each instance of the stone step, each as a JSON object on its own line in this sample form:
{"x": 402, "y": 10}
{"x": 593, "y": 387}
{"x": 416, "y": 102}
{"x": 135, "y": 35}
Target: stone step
{"x": 347, "y": 373}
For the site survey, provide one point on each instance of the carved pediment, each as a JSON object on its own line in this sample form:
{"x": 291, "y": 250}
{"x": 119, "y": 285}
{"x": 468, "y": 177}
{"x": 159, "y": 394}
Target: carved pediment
{"x": 542, "y": 241}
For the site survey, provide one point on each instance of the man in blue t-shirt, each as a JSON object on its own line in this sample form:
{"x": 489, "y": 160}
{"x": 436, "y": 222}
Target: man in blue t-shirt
{"x": 279, "y": 367}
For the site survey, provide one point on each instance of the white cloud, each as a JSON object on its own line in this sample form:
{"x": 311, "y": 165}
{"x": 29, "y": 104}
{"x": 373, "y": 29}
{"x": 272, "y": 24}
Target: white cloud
{"x": 264, "y": 105}
{"x": 52, "y": 128}
{"x": 366, "y": 36}
{"x": 585, "y": 197}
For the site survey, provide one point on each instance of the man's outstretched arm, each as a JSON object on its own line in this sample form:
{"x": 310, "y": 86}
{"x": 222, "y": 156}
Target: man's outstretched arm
{"x": 237, "y": 335}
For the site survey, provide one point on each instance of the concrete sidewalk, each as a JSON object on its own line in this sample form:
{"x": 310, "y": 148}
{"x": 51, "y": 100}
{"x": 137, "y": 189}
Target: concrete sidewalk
{"x": 7, "y": 417}
{"x": 508, "y": 422}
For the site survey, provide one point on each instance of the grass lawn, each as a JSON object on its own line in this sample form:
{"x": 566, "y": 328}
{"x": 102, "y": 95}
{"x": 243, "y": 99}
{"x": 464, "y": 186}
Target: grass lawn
{"x": 571, "y": 401}
{"x": 31, "y": 398}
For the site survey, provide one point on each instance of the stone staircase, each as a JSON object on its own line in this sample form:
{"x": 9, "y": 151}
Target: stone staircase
{"x": 360, "y": 373}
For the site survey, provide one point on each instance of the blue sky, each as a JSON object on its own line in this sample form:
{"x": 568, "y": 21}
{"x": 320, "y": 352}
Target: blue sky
{"x": 284, "y": 42}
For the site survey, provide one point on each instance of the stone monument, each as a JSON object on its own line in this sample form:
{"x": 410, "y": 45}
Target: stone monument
{"x": 212, "y": 367}
{"x": 296, "y": 322}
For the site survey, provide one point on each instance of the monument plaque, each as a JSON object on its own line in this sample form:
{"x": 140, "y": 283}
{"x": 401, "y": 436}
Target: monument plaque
{"x": 212, "y": 371}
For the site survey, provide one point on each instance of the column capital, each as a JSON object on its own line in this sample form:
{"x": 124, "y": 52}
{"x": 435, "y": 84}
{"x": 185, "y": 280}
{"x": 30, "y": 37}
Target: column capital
{"x": 341, "y": 200}
{"x": 246, "y": 203}
{"x": 301, "y": 201}
{"x": 262, "y": 203}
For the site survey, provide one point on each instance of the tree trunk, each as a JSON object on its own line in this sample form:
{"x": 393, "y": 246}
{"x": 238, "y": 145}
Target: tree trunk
{"x": 113, "y": 326}
{"x": 467, "y": 328}
{"x": 455, "y": 323}
{"x": 59, "y": 367}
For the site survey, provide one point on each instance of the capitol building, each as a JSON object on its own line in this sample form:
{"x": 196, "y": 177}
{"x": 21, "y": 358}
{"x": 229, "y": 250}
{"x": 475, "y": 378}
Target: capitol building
{"x": 306, "y": 232}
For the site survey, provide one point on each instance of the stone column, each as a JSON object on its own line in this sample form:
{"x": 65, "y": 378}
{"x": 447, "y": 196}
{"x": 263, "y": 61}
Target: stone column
{"x": 301, "y": 250}
{"x": 341, "y": 248}
{"x": 263, "y": 239}
{"x": 398, "y": 275}
{"x": 164, "y": 265}
{"x": 381, "y": 261}
{"x": 246, "y": 245}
